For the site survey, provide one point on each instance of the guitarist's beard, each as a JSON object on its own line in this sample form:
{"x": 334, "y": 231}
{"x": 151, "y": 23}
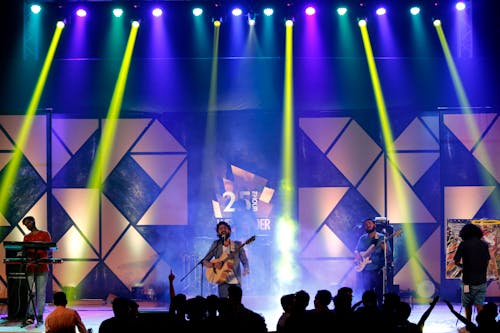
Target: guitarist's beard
{"x": 369, "y": 231}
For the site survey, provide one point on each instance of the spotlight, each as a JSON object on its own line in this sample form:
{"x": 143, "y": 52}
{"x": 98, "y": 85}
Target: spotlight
{"x": 381, "y": 11}
{"x": 310, "y": 11}
{"x": 197, "y": 11}
{"x": 237, "y": 11}
{"x": 35, "y": 9}
{"x": 341, "y": 11}
{"x": 460, "y": 6}
{"x": 217, "y": 23}
{"x": 289, "y": 22}
{"x": 136, "y": 23}
{"x": 61, "y": 24}
{"x": 362, "y": 22}
{"x": 117, "y": 12}
{"x": 251, "y": 19}
{"x": 81, "y": 12}
{"x": 157, "y": 12}
{"x": 268, "y": 11}
{"x": 436, "y": 22}
{"x": 415, "y": 10}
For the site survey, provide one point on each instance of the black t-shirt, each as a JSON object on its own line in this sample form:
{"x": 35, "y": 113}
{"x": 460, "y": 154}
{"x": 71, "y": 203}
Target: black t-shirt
{"x": 475, "y": 256}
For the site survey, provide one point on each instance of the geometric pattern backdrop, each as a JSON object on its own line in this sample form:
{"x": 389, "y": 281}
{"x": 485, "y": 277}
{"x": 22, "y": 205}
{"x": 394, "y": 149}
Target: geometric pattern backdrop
{"x": 349, "y": 180}
{"x": 132, "y": 238}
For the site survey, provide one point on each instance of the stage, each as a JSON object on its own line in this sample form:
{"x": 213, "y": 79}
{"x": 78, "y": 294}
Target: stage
{"x": 93, "y": 312}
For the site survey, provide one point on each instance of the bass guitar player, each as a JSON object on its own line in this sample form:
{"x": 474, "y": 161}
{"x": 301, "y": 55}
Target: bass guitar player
{"x": 225, "y": 259}
{"x": 372, "y": 253}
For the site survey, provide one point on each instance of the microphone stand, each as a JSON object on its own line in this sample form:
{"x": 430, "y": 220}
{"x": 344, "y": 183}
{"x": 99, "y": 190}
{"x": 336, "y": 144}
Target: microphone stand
{"x": 210, "y": 254}
{"x": 384, "y": 269}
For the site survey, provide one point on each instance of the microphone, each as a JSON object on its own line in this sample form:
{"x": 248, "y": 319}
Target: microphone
{"x": 223, "y": 238}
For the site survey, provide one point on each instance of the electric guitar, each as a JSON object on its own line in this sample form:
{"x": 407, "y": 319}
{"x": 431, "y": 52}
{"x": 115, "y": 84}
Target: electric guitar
{"x": 219, "y": 275}
{"x": 366, "y": 255}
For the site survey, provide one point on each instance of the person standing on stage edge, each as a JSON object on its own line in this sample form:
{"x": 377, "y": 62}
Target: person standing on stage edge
{"x": 37, "y": 273}
{"x": 226, "y": 272}
{"x": 472, "y": 256}
{"x": 369, "y": 256}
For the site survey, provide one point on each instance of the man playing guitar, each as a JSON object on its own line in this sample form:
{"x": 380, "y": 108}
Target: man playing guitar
{"x": 228, "y": 257}
{"x": 370, "y": 258}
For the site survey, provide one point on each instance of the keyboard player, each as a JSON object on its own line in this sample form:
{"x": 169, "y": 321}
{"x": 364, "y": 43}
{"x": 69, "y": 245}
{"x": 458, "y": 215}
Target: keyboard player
{"x": 37, "y": 271}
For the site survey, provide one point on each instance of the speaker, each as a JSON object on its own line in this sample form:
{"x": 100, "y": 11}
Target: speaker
{"x": 17, "y": 296}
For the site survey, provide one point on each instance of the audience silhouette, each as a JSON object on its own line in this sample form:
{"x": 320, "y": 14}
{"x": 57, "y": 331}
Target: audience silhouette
{"x": 199, "y": 314}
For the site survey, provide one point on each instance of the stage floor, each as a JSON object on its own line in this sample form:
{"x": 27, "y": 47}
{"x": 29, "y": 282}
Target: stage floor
{"x": 93, "y": 312}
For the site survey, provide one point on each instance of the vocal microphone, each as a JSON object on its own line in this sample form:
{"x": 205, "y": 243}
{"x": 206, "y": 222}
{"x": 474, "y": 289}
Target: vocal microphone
{"x": 223, "y": 238}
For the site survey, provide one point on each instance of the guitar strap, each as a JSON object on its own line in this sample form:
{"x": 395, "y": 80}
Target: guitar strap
{"x": 229, "y": 250}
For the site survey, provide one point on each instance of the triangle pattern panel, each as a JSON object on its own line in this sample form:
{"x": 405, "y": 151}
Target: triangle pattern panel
{"x": 82, "y": 205}
{"x": 131, "y": 266}
{"x": 315, "y": 204}
{"x": 59, "y": 156}
{"x": 427, "y": 255}
{"x": 405, "y": 276}
{"x": 157, "y": 139}
{"x": 488, "y": 151}
{"x": 432, "y": 123}
{"x": 15, "y": 235}
{"x": 468, "y": 128}
{"x": 4, "y": 159}
{"x": 374, "y": 179}
{"x": 39, "y": 212}
{"x": 5, "y": 143}
{"x": 322, "y": 131}
{"x": 73, "y": 132}
{"x": 354, "y": 152}
{"x": 159, "y": 167}
{"x": 414, "y": 165}
{"x": 73, "y": 246}
{"x": 417, "y": 210}
{"x": 170, "y": 207}
{"x": 71, "y": 273}
{"x": 326, "y": 244}
{"x": 127, "y": 131}
{"x": 416, "y": 137}
{"x": 463, "y": 202}
{"x": 3, "y": 221}
{"x": 331, "y": 274}
{"x": 158, "y": 275}
{"x": 113, "y": 223}
{"x": 35, "y": 149}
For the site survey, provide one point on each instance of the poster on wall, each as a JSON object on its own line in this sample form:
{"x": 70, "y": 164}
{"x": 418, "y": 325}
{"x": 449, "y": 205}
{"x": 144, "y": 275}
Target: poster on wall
{"x": 245, "y": 202}
{"x": 491, "y": 234}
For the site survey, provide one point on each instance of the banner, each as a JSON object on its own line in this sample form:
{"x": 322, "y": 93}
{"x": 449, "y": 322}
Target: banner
{"x": 491, "y": 235}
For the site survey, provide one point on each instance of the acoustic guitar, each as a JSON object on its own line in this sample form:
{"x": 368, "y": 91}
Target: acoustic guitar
{"x": 366, "y": 255}
{"x": 219, "y": 275}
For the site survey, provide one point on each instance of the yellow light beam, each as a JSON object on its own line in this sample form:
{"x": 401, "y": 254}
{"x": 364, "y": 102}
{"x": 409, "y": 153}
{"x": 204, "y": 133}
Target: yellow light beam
{"x": 10, "y": 175}
{"x": 286, "y": 230}
{"x": 109, "y": 128}
{"x": 393, "y": 165}
{"x": 472, "y": 128}
{"x": 209, "y": 149}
